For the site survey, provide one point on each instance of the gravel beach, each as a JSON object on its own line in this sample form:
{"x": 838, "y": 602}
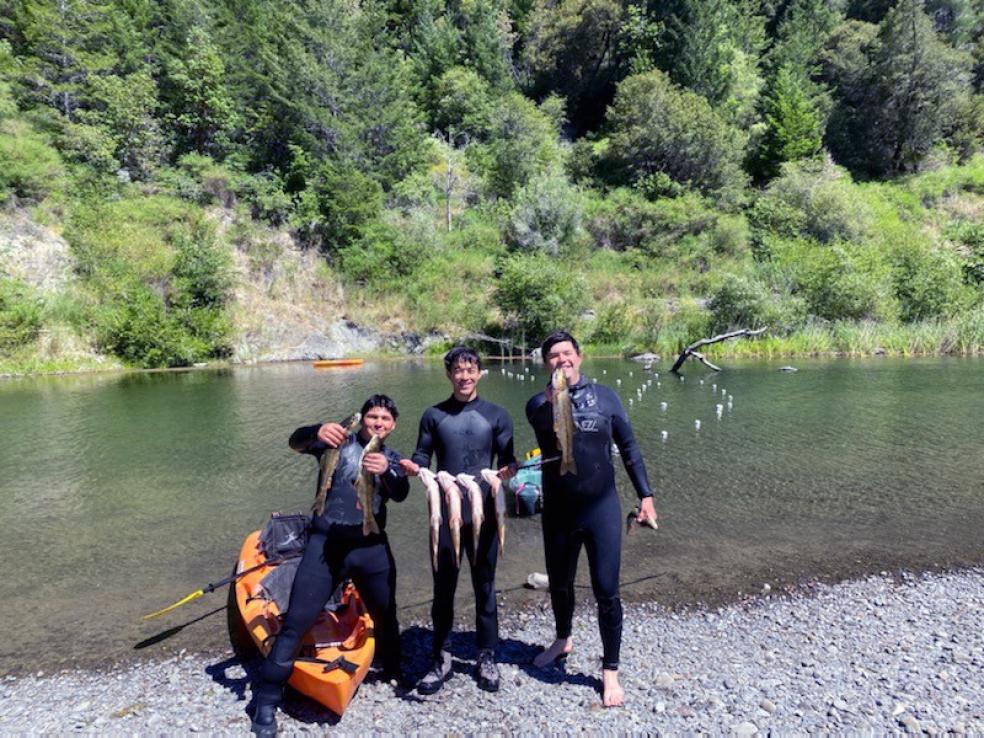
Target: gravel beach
{"x": 882, "y": 654}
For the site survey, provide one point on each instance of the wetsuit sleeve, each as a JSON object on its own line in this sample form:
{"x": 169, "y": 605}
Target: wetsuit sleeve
{"x": 394, "y": 480}
{"x": 504, "y": 439}
{"x": 305, "y": 440}
{"x": 425, "y": 441}
{"x": 631, "y": 454}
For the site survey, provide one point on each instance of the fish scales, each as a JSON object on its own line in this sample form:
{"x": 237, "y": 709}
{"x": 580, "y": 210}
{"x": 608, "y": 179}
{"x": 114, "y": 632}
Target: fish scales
{"x": 329, "y": 462}
{"x": 453, "y": 496}
{"x": 468, "y": 483}
{"x": 563, "y": 417}
{"x": 365, "y": 487}
{"x": 433, "y": 510}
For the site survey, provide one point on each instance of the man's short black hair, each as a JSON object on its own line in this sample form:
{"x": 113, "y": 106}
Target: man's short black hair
{"x": 382, "y": 401}
{"x": 558, "y": 337}
{"x": 461, "y": 353}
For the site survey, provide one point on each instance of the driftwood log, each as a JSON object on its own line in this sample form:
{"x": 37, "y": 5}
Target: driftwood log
{"x": 691, "y": 350}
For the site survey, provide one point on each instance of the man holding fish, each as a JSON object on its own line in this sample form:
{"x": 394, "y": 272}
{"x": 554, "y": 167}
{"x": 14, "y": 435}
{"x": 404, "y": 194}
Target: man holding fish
{"x": 346, "y": 540}
{"x": 467, "y": 434}
{"x": 577, "y": 421}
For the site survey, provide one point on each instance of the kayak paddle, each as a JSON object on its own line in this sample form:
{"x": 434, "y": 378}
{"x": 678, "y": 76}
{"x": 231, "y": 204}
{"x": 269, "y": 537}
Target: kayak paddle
{"x": 208, "y": 588}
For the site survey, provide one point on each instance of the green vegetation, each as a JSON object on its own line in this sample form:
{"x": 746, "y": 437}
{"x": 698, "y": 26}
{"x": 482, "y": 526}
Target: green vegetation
{"x": 642, "y": 173}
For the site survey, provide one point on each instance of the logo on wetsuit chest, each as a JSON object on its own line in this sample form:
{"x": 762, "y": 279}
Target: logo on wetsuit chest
{"x": 588, "y": 425}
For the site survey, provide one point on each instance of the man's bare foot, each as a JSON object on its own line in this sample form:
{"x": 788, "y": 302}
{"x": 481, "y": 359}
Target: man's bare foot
{"x": 612, "y": 694}
{"x": 556, "y": 650}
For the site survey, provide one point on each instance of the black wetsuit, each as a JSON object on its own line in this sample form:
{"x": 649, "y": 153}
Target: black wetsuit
{"x": 337, "y": 550}
{"x": 584, "y": 508}
{"x": 466, "y": 437}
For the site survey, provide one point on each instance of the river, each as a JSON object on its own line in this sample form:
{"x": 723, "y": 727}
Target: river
{"x": 123, "y": 492}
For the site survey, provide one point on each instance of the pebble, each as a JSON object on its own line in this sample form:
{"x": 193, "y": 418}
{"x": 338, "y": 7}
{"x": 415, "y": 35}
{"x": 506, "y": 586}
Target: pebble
{"x": 763, "y": 659}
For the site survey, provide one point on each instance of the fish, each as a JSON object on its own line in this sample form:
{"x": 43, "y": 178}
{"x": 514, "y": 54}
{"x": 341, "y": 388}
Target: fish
{"x": 453, "y": 496}
{"x": 365, "y": 487}
{"x": 632, "y": 522}
{"x": 433, "y": 508}
{"x": 329, "y": 460}
{"x": 474, "y": 491}
{"x": 499, "y": 493}
{"x": 563, "y": 417}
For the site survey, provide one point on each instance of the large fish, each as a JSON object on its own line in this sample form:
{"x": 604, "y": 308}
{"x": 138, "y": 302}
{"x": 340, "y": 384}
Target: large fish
{"x": 468, "y": 483}
{"x": 365, "y": 487}
{"x": 453, "y": 496}
{"x": 563, "y": 417}
{"x": 329, "y": 460}
{"x": 433, "y": 508}
{"x": 499, "y": 493}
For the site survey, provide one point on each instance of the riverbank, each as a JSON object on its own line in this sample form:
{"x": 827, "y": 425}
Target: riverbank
{"x": 881, "y": 654}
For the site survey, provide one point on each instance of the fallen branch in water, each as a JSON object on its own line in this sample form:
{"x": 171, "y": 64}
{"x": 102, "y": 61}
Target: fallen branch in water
{"x": 691, "y": 350}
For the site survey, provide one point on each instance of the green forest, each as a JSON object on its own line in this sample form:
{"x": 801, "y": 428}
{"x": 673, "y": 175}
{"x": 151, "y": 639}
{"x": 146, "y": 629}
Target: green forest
{"x": 641, "y": 173}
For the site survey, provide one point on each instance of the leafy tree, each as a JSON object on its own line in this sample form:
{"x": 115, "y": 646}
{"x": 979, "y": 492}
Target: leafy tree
{"x": 794, "y": 125}
{"x": 713, "y": 48}
{"x": 462, "y": 104}
{"x": 659, "y": 127}
{"x": 523, "y": 145}
{"x": 915, "y": 80}
{"x": 126, "y": 108}
{"x": 203, "y": 116}
{"x": 577, "y": 48}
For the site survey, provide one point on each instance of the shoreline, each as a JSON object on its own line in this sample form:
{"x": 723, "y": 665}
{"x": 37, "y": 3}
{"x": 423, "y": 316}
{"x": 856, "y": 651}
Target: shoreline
{"x": 386, "y": 357}
{"x": 883, "y": 653}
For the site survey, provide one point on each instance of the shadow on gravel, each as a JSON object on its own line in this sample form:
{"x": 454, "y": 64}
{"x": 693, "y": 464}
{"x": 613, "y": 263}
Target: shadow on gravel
{"x": 417, "y": 657}
{"x": 170, "y": 632}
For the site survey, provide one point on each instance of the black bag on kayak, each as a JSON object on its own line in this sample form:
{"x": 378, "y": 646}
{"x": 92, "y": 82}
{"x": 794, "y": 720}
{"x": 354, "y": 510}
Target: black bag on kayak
{"x": 278, "y": 583}
{"x": 284, "y": 535}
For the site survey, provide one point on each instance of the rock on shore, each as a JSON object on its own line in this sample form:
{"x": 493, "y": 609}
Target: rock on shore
{"x": 877, "y": 655}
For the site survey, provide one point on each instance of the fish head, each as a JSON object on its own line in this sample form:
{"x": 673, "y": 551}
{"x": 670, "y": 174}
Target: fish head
{"x": 465, "y": 479}
{"x": 375, "y": 443}
{"x": 559, "y": 380}
{"x": 426, "y": 475}
{"x": 351, "y": 422}
{"x": 446, "y": 480}
{"x": 491, "y": 476}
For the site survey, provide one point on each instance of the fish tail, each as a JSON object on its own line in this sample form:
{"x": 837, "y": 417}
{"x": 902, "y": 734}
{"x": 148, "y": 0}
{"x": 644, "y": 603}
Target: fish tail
{"x": 567, "y": 466}
{"x": 502, "y": 537}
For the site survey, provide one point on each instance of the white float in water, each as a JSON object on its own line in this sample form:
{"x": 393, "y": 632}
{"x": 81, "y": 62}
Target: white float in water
{"x": 658, "y": 385}
{"x": 682, "y": 378}
{"x": 720, "y": 409}
{"x": 526, "y": 369}
{"x": 618, "y": 382}
{"x": 604, "y": 371}
{"x": 630, "y": 402}
{"x": 702, "y": 381}
{"x": 663, "y": 406}
{"x": 714, "y": 388}
{"x": 631, "y": 374}
{"x": 696, "y": 425}
{"x": 723, "y": 392}
{"x": 663, "y": 435}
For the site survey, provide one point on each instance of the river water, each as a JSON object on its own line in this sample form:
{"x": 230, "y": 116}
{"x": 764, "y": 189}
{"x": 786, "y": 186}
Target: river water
{"x": 123, "y": 492}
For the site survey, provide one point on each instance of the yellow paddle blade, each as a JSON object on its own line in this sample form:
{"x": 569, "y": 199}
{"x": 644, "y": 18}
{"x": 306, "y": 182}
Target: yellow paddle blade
{"x": 176, "y": 605}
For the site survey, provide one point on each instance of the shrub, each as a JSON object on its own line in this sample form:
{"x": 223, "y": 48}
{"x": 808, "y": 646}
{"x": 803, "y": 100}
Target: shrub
{"x": 382, "y": 254}
{"x": 539, "y": 295}
{"x": 29, "y": 167}
{"x": 815, "y": 199}
{"x": 546, "y": 216}
{"x": 927, "y": 283}
{"x": 20, "y": 314}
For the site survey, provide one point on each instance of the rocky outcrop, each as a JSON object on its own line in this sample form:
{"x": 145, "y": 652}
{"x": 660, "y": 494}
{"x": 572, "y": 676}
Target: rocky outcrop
{"x": 33, "y": 254}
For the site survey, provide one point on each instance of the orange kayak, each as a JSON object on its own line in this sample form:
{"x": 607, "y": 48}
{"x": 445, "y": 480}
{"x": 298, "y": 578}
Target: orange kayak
{"x": 328, "y": 363}
{"x": 336, "y": 652}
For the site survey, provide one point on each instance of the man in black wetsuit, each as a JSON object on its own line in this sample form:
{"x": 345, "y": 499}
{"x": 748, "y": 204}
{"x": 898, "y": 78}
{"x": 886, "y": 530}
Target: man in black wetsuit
{"x": 583, "y": 508}
{"x": 467, "y": 434}
{"x": 337, "y": 550}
